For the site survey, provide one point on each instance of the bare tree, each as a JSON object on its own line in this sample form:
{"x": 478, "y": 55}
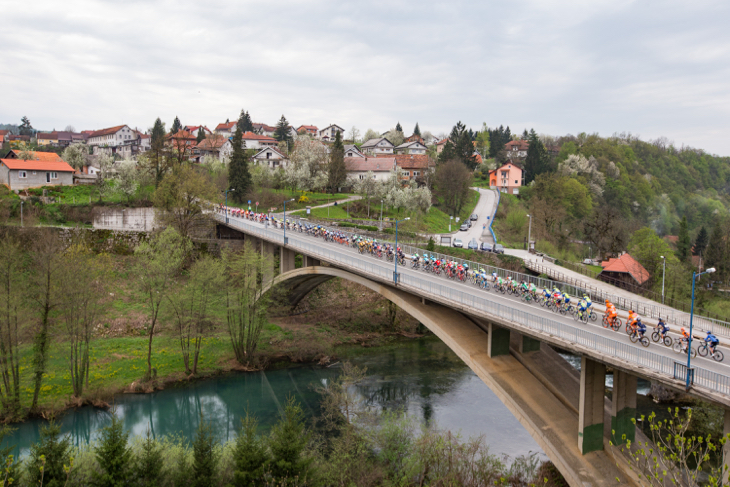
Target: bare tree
{"x": 158, "y": 262}
{"x": 355, "y": 134}
{"x": 245, "y": 302}
{"x": 46, "y": 265}
{"x": 181, "y": 198}
{"x": 70, "y": 128}
{"x": 193, "y": 307}
{"x": 82, "y": 284}
{"x": 11, "y": 313}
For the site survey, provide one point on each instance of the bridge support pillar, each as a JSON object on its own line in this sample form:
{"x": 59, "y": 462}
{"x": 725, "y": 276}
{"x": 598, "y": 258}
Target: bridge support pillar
{"x": 267, "y": 252}
{"x": 286, "y": 260}
{"x": 309, "y": 261}
{"x": 590, "y": 412}
{"x": 527, "y": 344}
{"x": 498, "y": 341}
{"x": 623, "y": 407}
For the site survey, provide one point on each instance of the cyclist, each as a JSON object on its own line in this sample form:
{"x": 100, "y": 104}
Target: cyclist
{"x": 662, "y": 328}
{"x": 640, "y": 328}
{"x": 588, "y": 301}
{"x": 631, "y": 320}
{"x": 684, "y": 339}
{"x": 414, "y": 259}
{"x": 712, "y": 342}
{"x": 583, "y": 306}
{"x": 566, "y": 300}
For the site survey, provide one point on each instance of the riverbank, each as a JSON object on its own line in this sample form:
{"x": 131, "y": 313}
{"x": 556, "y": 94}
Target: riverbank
{"x": 337, "y": 313}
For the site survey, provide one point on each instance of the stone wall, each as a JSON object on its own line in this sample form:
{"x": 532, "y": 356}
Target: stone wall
{"x": 124, "y": 219}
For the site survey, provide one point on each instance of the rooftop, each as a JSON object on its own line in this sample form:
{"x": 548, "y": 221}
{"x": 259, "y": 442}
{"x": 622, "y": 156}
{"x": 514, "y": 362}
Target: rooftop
{"x": 628, "y": 265}
{"x": 375, "y": 164}
{"x": 37, "y": 165}
{"x": 109, "y": 131}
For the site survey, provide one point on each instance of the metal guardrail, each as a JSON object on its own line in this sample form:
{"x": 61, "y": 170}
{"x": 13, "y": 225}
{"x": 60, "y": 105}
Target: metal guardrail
{"x": 578, "y": 288}
{"x": 607, "y": 346}
{"x": 494, "y": 215}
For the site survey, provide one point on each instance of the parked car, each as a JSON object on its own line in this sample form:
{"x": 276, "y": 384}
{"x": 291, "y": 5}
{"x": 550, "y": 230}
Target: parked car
{"x": 485, "y": 247}
{"x": 474, "y": 217}
{"x": 498, "y": 249}
{"x": 464, "y": 227}
{"x": 473, "y": 244}
{"x": 458, "y": 243}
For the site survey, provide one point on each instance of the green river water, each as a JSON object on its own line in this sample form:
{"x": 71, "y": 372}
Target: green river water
{"x": 421, "y": 376}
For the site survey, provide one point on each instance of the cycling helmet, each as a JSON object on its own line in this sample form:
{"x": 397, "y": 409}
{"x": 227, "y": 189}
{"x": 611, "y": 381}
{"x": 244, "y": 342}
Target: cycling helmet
{"x": 709, "y": 332}
{"x": 684, "y": 331}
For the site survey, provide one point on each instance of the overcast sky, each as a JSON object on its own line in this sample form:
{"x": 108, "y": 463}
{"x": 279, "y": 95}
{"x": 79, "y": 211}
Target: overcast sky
{"x": 646, "y": 67}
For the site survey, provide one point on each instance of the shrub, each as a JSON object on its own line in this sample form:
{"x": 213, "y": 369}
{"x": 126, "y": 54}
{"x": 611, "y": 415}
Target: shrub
{"x": 113, "y": 455}
{"x": 49, "y": 456}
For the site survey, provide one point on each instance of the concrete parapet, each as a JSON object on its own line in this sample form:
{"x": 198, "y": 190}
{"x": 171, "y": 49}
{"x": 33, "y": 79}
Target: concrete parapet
{"x": 308, "y": 261}
{"x": 623, "y": 408}
{"x": 590, "y": 410}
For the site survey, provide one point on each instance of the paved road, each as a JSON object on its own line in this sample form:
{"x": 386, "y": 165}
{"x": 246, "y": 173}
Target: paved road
{"x": 504, "y": 299}
{"x": 485, "y": 208}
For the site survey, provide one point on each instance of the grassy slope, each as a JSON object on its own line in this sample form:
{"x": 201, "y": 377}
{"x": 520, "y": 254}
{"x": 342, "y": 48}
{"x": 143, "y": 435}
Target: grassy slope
{"x": 339, "y": 313}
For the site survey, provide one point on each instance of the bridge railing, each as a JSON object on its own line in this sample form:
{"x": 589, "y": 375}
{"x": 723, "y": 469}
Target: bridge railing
{"x": 578, "y": 289}
{"x": 603, "y": 345}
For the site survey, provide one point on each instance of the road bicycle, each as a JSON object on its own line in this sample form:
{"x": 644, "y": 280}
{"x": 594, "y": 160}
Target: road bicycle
{"x": 636, "y": 337}
{"x": 680, "y": 346}
{"x": 581, "y": 316}
{"x": 614, "y": 324}
{"x": 704, "y": 349}
{"x": 659, "y": 337}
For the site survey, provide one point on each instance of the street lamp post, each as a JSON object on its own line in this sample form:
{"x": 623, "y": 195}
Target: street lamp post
{"x": 664, "y": 273}
{"x": 381, "y": 215}
{"x": 529, "y": 233}
{"x": 227, "y": 203}
{"x": 695, "y": 277}
{"x": 450, "y": 218}
{"x": 395, "y": 273}
{"x": 21, "y": 213}
{"x": 286, "y": 241}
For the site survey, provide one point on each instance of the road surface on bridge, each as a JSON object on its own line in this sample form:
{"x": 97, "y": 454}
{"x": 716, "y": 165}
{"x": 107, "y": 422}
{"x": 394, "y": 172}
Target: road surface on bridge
{"x": 382, "y": 267}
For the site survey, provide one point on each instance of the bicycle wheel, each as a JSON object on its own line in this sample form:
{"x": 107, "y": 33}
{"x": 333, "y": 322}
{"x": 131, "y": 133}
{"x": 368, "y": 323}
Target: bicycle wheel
{"x": 702, "y": 350}
{"x": 645, "y": 341}
{"x": 606, "y": 324}
{"x": 667, "y": 342}
{"x": 593, "y": 316}
{"x": 718, "y": 356}
{"x": 616, "y": 325}
{"x": 677, "y": 347}
{"x": 584, "y": 318}
{"x": 655, "y": 336}
{"x": 633, "y": 337}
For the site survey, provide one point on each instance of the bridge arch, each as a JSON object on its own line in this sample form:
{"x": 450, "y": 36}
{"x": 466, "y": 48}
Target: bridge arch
{"x": 545, "y": 416}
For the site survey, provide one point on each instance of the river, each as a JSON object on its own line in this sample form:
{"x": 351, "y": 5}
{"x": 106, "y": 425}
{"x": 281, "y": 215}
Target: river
{"x": 421, "y": 376}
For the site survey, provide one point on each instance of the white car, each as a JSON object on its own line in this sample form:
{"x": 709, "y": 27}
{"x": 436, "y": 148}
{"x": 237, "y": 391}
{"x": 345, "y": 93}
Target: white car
{"x": 458, "y": 243}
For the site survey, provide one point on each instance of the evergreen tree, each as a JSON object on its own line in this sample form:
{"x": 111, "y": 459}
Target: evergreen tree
{"x": 417, "y": 130}
{"x": 459, "y": 147}
{"x": 538, "y": 160}
{"x": 176, "y": 126}
{"x": 239, "y": 177}
{"x": 201, "y": 135}
{"x": 282, "y": 132}
{"x": 113, "y": 455}
{"x": 157, "y": 150}
{"x": 245, "y": 122}
{"x": 336, "y": 170}
{"x": 149, "y": 463}
{"x": 56, "y": 452}
{"x": 525, "y": 135}
{"x": 25, "y": 127}
{"x": 497, "y": 138}
{"x": 701, "y": 242}
{"x": 250, "y": 456}
{"x": 683, "y": 243}
{"x": 398, "y": 127}
{"x": 288, "y": 440}
{"x": 205, "y": 456}
{"x": 716, "y": 254}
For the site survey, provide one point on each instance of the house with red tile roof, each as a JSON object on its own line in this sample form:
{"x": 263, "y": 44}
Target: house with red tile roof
{"x": 517, "y": 149}
{"x": 119, "y": 140}
{"x": 226, "y": 129}
{"x": 258, "y": 141}
{"x": 272, "y": 157}
{"x": 440, "y": 145}
{"x": 196, "y": 128}
{"x": 412, "y": 166}
{"x": 263, "y": 129}
{"x": 18, "y": 174}
{"x": 216, "y": 146}
{"x": 623, "y": 271}
{"x": 36, "y": 156}
{"x": 310, "y": 130}
{"x": 358, "y": 167}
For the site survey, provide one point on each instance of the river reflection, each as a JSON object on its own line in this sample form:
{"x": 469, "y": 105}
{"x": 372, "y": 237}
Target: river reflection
{"x": 422, "y": 377}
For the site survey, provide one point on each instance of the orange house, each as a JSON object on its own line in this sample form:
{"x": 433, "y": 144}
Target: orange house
{"x": 508, "y": 178}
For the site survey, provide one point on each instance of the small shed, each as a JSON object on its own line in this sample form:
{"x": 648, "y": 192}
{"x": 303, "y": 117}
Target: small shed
{"x": 19, "y": 174}
{"x": 623, "y": 271}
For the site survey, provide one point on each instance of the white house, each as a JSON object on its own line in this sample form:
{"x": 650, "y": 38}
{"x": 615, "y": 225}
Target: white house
{"x": 272, "y": 157}
{"x": 414, "y": 147}
{"x": 381, "y": 145}
{"x": 120, "y": 140}
{"x": 353, "y": 151}
{"x": 216, "y": 146}
{"x": 226, "y": 129}
{"x": 358, "y": 167}
{"x": 257, "y": 141}
{"x": 330, "y": 132}
{"x": 263, "y": 129}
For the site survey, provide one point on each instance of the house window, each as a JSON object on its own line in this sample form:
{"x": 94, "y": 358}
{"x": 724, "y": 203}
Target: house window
{"x": 406, "y": 173}
{"x": 416, "y": 173}
{"x": 515, "y": 181}
{"x": 22, "y": 174}
{"x": 54, "y": 175}
{"x": 362, "y": 177}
